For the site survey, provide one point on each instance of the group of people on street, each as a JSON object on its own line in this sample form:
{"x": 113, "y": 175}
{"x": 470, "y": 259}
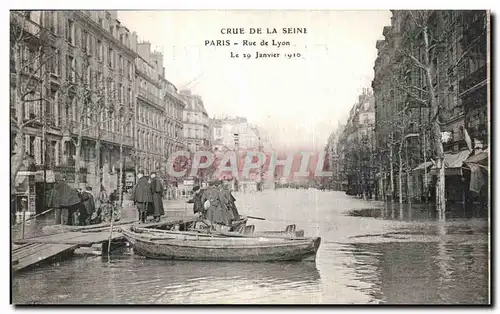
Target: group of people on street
{"x": 79, "y": 206}
{"x": 148, "y": 197}
{"x": 215, "y": 204}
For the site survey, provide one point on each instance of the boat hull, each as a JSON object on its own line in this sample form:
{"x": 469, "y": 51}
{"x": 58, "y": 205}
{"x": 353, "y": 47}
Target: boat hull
{"x": 225, "y": 249}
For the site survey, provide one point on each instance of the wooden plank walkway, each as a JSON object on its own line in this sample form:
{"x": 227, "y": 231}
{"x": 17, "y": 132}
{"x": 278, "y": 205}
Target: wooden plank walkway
{"x": 31, "y": 251}
{"x": 77, "y": 237}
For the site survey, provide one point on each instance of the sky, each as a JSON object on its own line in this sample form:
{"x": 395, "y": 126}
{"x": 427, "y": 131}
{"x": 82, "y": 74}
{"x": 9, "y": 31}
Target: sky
{"x": 298, "y": 101}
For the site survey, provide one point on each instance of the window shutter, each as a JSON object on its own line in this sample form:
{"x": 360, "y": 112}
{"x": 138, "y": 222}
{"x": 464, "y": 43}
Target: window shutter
{"x": 56, "y": 153}
{"x": 27, "y": 144}
{"x": 38, "y": 151}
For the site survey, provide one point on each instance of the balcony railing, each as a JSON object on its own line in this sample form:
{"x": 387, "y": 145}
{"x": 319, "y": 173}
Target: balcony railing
{"x": 108, "y": 136}
{"x": 472, "y": 80}
{"x": 29, "y": 26}
{"x": 473, "y": 31}
{"x": 149, "y": 96}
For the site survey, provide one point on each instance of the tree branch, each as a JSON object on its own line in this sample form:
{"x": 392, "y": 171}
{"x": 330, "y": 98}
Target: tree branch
{"x": 30, "y": 121}
{"x": 416, "y": 62}
{"x": 466, "y": 51}
{"x": 412, "y": 95}
{"x": 42, "y": 63}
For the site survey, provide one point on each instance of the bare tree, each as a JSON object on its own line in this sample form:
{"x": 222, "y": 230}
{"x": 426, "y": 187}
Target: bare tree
{"x": 88, "y": 95}
{"x": 30, "y": 53}
{"x": 125, "y": 116}
{"x": 424, "y": 44}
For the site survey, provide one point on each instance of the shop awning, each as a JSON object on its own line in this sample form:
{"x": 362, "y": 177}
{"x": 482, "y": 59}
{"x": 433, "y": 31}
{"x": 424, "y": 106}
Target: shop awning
{"x": 453, "y": 163}
{"x": 454, "y": 160}
{"x": 481, "y": 158}
{"x": 423, "y": 166}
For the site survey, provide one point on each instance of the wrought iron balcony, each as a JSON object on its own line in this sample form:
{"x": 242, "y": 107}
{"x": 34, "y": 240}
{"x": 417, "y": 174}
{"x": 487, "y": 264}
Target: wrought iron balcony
{"x": 472, "y": 31}
{"x": 149, "y": 96}
{"x": 26, "y": 24}
{"x": 473, "y": 79}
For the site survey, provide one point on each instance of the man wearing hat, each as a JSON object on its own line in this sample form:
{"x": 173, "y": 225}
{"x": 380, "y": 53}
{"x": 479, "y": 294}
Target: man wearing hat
{"x": 142, "y": 196}
{"x": 157, "y": 193}
{"x": 196, "y": 200}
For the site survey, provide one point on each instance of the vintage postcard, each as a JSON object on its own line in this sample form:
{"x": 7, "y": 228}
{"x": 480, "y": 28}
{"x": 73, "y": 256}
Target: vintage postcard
{"x": 250, "y": 157}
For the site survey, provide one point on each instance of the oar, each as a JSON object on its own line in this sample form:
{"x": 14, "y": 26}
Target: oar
{"x": 37, "y": 215}
{"x": 258, "y": 218}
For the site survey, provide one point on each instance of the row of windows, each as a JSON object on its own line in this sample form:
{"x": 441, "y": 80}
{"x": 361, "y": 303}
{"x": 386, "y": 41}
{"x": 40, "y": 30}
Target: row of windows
{"x": 194, "y": 133}
{"x": 145, "y": 68}
{"x": 150, "y": 164}
{"x": 154, "y": 142}
{"x": 150, "y": 91}
{"x": 173, "y": 109}
{"x": 157, "y": 120}
{"x": 79, "y": 37}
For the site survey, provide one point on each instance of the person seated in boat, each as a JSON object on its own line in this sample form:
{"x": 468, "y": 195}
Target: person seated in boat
{"x": 215, "y": 211}
{"x": 196, "y": 200}
{"x": 229, "y": 202}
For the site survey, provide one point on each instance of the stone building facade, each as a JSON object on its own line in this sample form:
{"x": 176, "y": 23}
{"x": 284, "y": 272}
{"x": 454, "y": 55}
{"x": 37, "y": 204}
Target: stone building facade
{"x": 196, "y": 123}
{"x": 356, "y": 148}
{"x": 97, "y": 82}
{"x": 459, "y": 76}
{"x": 85, "y": 50}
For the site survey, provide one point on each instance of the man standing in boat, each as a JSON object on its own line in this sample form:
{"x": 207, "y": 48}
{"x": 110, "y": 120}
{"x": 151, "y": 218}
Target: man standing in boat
{"x": 212, "y": 203}
{"x": 196, "y": 200}
{"x": 142, "y": 196}
{"x": 157, "y": 193}
{"x": 229, "y": 201}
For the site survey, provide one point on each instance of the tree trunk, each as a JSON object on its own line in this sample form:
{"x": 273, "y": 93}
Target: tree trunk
{"x": 436, "y": 130}
{"x": 391, "y": 167}
{"x": 400, "y": 174}
{"x": 425, "y": 185}
{"x": 98, "y": 172}
{"x": 20, "y": 148}
{"x": 17, "y": 159}
{"x": 442, "y": 192}
{"x": 78, "y": 149}
{"x": 78, "y": 143}
{"x": 408, "y": 180}
{"x": 120, "y": 179}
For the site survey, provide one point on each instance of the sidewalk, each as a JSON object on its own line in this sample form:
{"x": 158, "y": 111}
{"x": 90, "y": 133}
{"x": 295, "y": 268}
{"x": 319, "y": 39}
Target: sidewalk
{"x": 172, "y": 208}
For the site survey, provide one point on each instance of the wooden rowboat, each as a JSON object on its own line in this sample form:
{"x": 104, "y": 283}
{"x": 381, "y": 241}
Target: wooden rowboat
{"x": 248, "y": 232}
{"x": 180, "y": 245}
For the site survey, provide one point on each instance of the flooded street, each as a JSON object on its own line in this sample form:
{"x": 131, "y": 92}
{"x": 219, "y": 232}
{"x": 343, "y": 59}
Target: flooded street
{"x": 381, "y": 259}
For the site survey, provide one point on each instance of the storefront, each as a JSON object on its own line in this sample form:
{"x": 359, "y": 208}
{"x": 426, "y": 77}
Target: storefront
{"x": 24, "y": 193}
{"x": 455, "y": 182}
{"x": 476, "y": 173}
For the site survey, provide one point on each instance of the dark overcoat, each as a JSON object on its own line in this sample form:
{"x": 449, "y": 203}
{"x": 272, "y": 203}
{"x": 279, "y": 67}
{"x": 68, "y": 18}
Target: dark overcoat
{"x": 63, "y": 195}
{"x": 217, "y": 211}
{"x": 88, "y": 201}
{"x": 157, "y": 192}
{"x": 229, "y": 201}
{"x": 197, "y": 204}
{"x": 142, "y": 191}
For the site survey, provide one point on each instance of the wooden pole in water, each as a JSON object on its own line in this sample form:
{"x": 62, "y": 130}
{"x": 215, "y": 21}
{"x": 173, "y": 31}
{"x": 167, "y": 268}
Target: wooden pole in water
{"x": 24, "y": 221}
{"x": 111, "y": 231}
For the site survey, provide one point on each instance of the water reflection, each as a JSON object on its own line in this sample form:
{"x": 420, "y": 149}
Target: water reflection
{"x": 134, "y": 279}
{"x": 441, "y": 271}
{"x": 386, "y": 253}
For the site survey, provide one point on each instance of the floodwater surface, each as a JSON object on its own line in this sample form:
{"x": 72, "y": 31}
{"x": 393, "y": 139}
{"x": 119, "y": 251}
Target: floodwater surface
{"x": 398, "y": 256}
